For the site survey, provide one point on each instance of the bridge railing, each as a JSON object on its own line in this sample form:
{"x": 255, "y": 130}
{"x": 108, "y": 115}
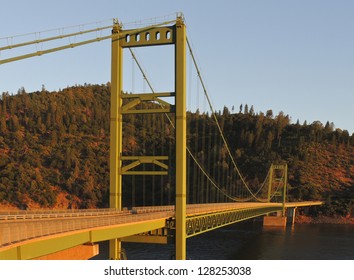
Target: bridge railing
{"x": 149, "y": 209}
{"x": 15, "y": 231}
{"x": 44, "y": 214}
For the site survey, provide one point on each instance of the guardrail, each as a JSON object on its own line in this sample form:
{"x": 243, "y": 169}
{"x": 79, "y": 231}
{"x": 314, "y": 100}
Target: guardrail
{"x": 45, "y": 214}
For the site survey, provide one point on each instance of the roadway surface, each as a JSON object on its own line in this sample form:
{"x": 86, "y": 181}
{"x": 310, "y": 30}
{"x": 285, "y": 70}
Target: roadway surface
{"x": 25, "y": 228}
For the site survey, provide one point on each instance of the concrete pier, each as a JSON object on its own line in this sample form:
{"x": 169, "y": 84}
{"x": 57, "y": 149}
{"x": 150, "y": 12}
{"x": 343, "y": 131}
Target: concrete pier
{"x": 274, "y": 221}
{"x": 279, "y": 220}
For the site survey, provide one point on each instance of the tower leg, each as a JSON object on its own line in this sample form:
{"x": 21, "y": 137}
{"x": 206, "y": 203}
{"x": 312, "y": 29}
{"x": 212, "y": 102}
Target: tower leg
{"x": 181, "y": 143}
{"x": 114, "y": 249}
{"x": 116, "y": 123}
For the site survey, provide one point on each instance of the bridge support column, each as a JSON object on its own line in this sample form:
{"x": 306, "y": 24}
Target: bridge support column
{"x": 116, "y": 124}
{"x": 292, "y": 214}
{"x": 181, "y": 142}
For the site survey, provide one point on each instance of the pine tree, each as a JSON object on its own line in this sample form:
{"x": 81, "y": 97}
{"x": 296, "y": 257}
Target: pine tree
{"x": 3, "y": 126}
{"x": 246, "y": 110}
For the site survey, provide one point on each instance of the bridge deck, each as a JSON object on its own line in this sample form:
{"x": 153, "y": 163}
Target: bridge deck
{"x": 30, "y": 234}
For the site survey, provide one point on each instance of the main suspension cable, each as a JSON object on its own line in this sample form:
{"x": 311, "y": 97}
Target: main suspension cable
{"x": 73, "y": 45}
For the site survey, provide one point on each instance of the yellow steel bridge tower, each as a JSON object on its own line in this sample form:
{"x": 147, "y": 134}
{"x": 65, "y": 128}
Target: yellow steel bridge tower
{"x": 151, "y": 36}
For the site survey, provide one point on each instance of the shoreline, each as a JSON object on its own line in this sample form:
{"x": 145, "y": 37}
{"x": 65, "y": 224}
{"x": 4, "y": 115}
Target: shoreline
{"x": 303, "y": 219}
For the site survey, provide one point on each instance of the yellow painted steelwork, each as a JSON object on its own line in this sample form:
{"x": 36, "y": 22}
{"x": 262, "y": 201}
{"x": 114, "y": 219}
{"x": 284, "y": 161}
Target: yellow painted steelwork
{"x": 285, "y": 188}
{"x": 181, "y": 144}
{"x": 139, "y": 98}
{"x": 116, "y": 131}
{"x": 140, "y": 38}
{"x": 270, "y": 183}
{"x": 281, "y": 180}
{"x": 203, "y": 223}
{"x": 138, "y": 160}
{"x": 149, "y": 37}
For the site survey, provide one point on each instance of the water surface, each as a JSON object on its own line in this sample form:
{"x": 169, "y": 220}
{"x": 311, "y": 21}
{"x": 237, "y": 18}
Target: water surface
{"x": 250, "y": 241}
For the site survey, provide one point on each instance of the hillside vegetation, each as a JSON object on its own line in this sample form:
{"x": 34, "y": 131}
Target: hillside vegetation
{"x": 54, "y": 151}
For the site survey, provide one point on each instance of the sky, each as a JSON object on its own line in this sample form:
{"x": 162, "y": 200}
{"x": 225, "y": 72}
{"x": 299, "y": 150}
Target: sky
{"x": 285, "y": 55}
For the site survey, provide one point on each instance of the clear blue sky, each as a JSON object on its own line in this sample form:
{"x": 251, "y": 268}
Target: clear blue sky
{"x": 291, "y": 56}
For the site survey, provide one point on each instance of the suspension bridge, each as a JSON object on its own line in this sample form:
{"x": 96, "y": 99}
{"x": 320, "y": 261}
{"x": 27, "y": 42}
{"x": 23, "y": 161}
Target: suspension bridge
{"x": 209, "y": 190}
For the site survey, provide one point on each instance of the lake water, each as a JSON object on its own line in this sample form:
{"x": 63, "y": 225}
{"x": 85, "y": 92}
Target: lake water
{"x": 250, "y": 241}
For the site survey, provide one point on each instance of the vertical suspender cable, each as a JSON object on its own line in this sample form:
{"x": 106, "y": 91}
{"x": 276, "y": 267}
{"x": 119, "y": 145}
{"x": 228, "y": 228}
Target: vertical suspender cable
{"x": 154, "y": 154}
{"x": 217, "y": 123}
{"x": 163, "y": 143}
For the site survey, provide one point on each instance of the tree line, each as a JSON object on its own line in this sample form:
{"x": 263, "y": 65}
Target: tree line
{"x": 54, "y": 152}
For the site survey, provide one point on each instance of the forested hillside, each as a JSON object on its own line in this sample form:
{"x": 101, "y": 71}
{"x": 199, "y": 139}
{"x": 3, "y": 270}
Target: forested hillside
{"x": 54, "y": 151}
